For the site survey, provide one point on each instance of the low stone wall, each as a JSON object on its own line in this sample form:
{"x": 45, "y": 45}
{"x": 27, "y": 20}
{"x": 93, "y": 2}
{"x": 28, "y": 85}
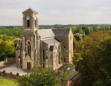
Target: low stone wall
{"x": 9, "y": 75}
{"x": 10, "y": 60}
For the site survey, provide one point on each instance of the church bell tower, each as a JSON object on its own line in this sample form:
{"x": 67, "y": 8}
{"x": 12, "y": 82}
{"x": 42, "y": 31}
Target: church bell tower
{"x": 30, "y": 19}
{"x": 29, "y": 42}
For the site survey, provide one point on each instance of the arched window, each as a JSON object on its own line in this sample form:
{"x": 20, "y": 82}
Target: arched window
{"x": 29, "y": 49}
{"x": 28, "y": 21}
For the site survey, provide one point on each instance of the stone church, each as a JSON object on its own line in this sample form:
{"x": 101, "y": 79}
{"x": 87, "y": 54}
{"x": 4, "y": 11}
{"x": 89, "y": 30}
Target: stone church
{"x": 49, "y": 48}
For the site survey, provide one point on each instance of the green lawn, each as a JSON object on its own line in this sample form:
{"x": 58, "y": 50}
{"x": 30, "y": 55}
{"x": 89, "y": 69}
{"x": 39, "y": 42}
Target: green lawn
{"x": 7, "y": 82}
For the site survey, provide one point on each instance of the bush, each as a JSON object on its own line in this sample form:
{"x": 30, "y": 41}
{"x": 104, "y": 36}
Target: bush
{"x": 40, "y": 77}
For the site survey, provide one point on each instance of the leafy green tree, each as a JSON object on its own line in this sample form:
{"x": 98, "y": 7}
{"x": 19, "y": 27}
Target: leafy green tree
{"x": 17, "y": 32}
{"x": 40, "y": 77}
{"x": 7, "y": 49}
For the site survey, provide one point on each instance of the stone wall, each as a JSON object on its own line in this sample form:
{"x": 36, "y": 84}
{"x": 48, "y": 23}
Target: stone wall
{"x": 9, "y": 75}
{"x": 10, "y": 60}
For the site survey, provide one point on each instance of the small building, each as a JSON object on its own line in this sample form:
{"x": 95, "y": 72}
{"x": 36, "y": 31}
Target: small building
{"x": 43, "y": 46}
{"x": 67, "y": 74}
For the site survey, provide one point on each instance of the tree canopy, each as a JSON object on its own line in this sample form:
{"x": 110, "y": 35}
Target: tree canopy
{"x": 40, "y": 77}
{"x": 94, "y": 67}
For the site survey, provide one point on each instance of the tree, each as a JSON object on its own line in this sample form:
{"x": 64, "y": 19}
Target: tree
{"x": 40, "y": 77}
{"x": 7, "y": 49}
{"x": 94, "y": 68}
{"x": 104, "y": 60}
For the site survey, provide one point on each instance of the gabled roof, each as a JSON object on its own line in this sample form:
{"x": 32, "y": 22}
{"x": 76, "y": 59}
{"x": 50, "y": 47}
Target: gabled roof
{"x": 29, "y": 10}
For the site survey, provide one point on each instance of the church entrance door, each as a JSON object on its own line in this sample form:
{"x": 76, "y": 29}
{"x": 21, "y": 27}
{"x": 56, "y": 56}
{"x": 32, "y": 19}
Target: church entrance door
{"x": 28, "y": 65}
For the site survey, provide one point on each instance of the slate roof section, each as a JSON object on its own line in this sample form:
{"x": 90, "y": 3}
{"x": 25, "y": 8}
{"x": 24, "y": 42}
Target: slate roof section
{"x": 51, "y": 42}
{"x": 46, "y": 33}
{"x": 61, "y": 32}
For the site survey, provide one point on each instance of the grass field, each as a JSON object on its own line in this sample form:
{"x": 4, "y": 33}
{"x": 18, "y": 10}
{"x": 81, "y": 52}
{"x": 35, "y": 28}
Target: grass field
{"x": 7, "y": 82}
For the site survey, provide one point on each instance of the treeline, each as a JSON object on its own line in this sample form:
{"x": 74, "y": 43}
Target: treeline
{"x": 11, "y": 31}
{"x": 82, "y": 28}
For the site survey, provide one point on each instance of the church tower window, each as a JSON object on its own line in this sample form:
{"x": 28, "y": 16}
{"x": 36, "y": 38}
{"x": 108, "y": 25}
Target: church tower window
{"x": 28, "y": 21}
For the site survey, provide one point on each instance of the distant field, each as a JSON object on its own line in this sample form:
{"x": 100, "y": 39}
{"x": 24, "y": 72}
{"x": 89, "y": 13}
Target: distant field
{"x": 7, "y": 82}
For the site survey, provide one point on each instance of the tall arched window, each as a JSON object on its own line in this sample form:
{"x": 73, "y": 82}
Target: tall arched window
{"x": 29, "y": 49}
{"x": 28, "y": 21}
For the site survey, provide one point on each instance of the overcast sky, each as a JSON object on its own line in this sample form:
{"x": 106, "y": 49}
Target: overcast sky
{"x": 57, "y": 11}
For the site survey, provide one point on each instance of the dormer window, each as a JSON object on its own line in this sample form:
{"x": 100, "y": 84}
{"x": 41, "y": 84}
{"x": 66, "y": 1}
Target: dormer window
{"x": 28, "y": 23}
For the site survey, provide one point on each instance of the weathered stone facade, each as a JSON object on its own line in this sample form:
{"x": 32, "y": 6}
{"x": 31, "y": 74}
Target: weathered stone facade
{"x": 46, "y": 47}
